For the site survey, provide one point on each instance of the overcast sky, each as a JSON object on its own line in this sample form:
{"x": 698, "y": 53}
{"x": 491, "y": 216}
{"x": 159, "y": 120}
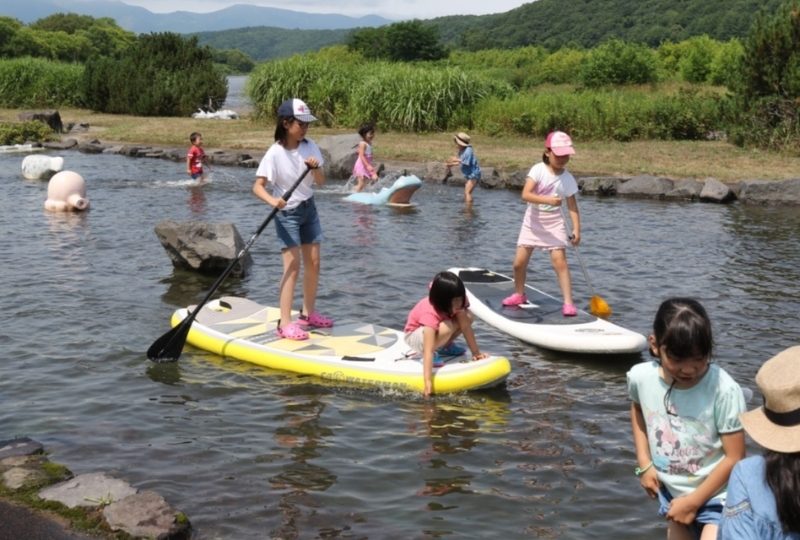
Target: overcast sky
{"x": 391, "y": 9}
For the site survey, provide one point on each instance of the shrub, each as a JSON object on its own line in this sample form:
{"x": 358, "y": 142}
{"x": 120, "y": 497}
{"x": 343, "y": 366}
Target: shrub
{"x": 35, "y": 130}
{"x": 34, "y": 82}
{"x": 561, "y": 67}
{"x": 160, "y": 75}
{"x": 617, "y": 63}
{"x": 764, "y": 110}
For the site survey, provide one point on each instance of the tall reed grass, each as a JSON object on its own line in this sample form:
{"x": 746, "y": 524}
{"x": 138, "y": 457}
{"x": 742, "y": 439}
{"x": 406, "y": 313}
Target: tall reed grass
{"x": 397, "y": 96}
{"x": 34, "y": 82}
{"x": 621, "y": 114}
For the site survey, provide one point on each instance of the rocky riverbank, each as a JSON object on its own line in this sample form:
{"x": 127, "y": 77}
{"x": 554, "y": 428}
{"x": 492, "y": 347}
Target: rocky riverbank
{"x": 92, "y": 504}
{"x": 339, "y": 153}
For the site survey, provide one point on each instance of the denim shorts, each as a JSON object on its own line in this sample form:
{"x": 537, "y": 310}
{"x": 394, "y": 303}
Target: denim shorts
{"x": 197, "y": 175}
{"x": 708, "y": 514}
{"x": 298, "y": 226}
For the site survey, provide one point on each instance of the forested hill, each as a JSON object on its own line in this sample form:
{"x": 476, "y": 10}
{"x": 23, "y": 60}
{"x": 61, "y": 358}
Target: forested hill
{"x": 587, "y": 23}
{"x": 551, "y": 23}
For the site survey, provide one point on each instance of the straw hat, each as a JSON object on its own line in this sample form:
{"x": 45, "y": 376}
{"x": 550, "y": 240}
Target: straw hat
{"x": 462, "y": 139}
{"x": 776, "y": 425}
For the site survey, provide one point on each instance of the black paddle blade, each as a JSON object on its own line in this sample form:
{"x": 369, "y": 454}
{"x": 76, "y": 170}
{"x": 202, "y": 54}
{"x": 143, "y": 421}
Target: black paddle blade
{"x": 168, "y": 348}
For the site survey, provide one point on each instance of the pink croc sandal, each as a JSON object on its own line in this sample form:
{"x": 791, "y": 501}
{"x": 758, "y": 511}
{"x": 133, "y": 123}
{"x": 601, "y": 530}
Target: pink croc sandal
{"x": 292, "y": 331}
{"x": 315, "y": 319}
{"x": 569, "y": 310}
{"x": 515, "y": 300}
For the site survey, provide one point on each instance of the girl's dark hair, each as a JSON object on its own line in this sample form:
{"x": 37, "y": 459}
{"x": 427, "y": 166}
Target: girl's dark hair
{"x": 445, "y": 288}
{"x": 545, "y": 159}
{"x": 683, "y": 328}
{"x": 281, "y": 133}
{"x": 782, "y": 473}
{"x": 364, "y": 129}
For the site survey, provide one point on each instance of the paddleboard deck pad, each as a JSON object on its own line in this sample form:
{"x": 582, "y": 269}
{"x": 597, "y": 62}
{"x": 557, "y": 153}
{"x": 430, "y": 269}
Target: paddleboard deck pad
{"x": 349, "y": 352}
{"x": 540, "y": 321}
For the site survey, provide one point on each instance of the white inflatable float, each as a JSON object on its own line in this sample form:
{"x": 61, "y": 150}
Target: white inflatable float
{"x": 399, "y": 193}
{"x": 36, "y": 167}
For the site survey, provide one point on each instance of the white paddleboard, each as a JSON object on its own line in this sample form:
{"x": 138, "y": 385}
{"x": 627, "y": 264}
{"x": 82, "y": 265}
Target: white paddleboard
{"x": 540, "y": 321}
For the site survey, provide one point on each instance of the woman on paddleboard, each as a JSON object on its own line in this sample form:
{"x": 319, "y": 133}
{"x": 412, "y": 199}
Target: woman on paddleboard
{"x": 547, "y": 185}
{"x": 437, "y": 320}
{"x": 297, "y": 223}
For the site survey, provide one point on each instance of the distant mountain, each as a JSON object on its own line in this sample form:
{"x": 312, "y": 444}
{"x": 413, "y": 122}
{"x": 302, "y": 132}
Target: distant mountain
{"x": 140, "y": 20}
{"x": 266, "y": 43}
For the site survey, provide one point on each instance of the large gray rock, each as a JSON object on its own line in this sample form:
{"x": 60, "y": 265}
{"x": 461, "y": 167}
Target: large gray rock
{"x": 770, "y": 192}
{"x": 437, "y": 172}
{"x": 516, "y": 180}
{"x": 203, "y": 247}
{"x": 61, "y": 145}
{"x": 51, "y": 117}
{"x": 646, "y": 187}
{"x": 92, "y": 490}
{"x": 147, "y": 515}
{"x": 599, "y": 185}
{"x": 19, "y": 447}
{"x": 686, "y": 189}
{"x": 715, "y": 191}
{"x": 491, "y": 178}
{"x": 340, "y": 153}
{"x": 38, "y": 167}
{"x": 18, "y": 477}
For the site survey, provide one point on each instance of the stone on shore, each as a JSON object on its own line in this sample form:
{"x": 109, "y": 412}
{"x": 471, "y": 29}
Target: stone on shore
{"x": 203, "y": 247}
{"x": 770, "y": 192}
{"x": 600, "y": 185}
{"x": 715, "y": 191}
{"x": 147, "y": 515}
{"x": 646, "y": 186}
{"x": 51, "y": 118}
{"x": 340, "y": 153}
{"x": 19, "y": 447}
{"x": 91, "y": 490}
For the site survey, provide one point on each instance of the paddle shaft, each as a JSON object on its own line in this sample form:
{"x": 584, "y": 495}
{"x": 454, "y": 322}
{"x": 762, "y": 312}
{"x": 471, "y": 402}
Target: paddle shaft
{"x": 577, "y": 252}
{"x": 168, "y": 347}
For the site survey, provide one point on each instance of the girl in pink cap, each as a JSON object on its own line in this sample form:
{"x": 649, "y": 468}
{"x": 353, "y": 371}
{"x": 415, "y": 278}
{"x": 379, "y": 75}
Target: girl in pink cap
{"x": 547, "y": 185}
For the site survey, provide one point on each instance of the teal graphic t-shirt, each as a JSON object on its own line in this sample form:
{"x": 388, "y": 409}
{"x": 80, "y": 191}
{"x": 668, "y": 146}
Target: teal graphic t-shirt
{"x": 685, "y": 448}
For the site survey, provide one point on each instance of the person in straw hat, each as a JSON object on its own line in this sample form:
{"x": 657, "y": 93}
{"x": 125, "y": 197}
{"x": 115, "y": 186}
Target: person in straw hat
{"x": 764, "y": 491}
{"x": 468, "y": 162}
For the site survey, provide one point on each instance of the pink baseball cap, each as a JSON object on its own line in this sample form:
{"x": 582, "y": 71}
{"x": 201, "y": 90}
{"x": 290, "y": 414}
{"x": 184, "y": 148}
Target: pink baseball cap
{"x": 560, "y": 143}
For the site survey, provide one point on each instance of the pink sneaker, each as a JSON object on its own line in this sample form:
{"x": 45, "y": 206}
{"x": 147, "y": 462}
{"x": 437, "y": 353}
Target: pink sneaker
{"x": 515, "y": 300}
{"x": 315, "y": 319}
{"x": 292, "y": 331}
{"x": 569, "y": 310}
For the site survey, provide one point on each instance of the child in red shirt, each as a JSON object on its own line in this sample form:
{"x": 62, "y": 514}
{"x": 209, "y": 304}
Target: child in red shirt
{"x": 196, "y": 158}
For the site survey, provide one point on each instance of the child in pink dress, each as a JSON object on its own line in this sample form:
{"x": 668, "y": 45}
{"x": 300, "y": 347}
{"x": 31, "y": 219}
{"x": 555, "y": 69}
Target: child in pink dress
{"x": 543, "y": 227}
{"x": 363, "y": 169}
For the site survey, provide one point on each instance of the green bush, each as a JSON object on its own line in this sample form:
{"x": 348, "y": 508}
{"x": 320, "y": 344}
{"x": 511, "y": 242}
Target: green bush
{"x": 35, "y": 130}
{"x": 616, "y": 114}
{"x": 34, "y": 82}
{"x": 618, "y": 63}
{"x": 161, "y": 75}
{"x": 723, "y": 66}
{"x": 561, "y": 67}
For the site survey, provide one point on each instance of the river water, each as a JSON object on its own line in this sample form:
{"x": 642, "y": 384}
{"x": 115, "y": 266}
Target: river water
{"x": 249, "y": 453}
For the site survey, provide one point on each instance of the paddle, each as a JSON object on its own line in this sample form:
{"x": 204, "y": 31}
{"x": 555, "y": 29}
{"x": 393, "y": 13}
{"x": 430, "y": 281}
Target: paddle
{"x": 597, "y": 305}
{"x": 168, "y": 347}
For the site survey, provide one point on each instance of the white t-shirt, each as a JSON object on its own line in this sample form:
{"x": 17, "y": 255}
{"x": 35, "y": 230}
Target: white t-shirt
{"x": 552, "y": 185}
{"x": 282, "y": 168}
